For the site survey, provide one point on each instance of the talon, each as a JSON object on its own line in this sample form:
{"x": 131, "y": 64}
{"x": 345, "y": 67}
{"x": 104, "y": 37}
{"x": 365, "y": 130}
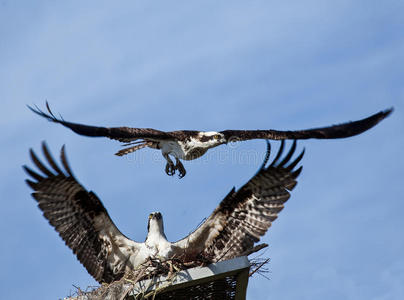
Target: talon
{"x": 181, "y": 173}
{"x": 181, "y": 169}
{"x": 170, "y": 169}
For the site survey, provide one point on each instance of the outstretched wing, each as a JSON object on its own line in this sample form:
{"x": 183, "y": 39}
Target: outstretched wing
{"x": 245, "y": 215}
{"x": 331, "y": 132}
{"x": 79, "y": 217}
{"x": 122, "y": 134}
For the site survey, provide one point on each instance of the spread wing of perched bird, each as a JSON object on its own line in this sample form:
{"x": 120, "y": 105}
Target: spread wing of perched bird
{"x": 233, "y": 228}
{"x": 191, "y": 144}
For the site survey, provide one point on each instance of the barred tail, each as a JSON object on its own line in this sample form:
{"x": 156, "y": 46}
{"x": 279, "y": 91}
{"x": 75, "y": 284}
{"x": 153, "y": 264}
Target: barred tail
{"x": 133, "y": 148}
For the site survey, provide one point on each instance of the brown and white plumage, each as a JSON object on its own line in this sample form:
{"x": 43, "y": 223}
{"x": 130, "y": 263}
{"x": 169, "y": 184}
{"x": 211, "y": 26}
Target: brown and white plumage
{"x": 84, "y": 224}
{"x": 76, "y": 214}
{"x": 191, "y": 144}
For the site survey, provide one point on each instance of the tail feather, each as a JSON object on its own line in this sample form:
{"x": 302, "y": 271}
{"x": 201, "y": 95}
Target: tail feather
{"x": 133, "y": 148}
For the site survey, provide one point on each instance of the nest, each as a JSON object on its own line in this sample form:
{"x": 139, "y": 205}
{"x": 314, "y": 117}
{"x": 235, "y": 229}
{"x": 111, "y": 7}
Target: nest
{"x": 152, "y": 269}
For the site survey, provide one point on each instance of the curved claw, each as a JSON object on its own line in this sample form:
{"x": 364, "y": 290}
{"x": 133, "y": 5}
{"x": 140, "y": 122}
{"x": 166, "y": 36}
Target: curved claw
{"x": 170, "y": 169}
{"x": 181, "y": 170}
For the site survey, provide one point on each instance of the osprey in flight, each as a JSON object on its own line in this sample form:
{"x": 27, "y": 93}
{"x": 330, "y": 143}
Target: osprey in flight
{"x": 82, "y": 221}
{"x": 191, "y": 144}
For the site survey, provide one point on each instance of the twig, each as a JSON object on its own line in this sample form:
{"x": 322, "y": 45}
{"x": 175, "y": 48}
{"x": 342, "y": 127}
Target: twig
{"x": 259, "y": 267}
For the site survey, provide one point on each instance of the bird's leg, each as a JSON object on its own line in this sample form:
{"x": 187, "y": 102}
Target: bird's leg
{"x": 180, "y": 167}
{"x": 170, "y": 168}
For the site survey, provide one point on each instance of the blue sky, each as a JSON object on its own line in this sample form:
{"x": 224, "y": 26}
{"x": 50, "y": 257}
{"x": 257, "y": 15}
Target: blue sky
{"x": 211, "y": 65}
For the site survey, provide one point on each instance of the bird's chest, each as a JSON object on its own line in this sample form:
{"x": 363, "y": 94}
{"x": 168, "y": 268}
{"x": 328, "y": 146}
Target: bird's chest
{"x": 186, "y": 150}
{"x": 192, "y": 149}
{"x": 158, "y": 247}
{"x": 195, "y": 152}
{"x": 174, "y": 148}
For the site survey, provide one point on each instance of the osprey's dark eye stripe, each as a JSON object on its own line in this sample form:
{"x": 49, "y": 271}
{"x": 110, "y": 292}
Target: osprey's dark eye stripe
{"x": 205, "y": 138}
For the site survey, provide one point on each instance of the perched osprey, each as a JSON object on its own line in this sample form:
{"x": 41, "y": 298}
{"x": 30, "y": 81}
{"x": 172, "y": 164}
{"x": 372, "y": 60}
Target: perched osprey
{"x": 190, "y": 144}
{"x": 82, "y": 221}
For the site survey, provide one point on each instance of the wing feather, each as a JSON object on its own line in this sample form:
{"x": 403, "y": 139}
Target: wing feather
{"x": 79, "y": 217}
{"x": 51, "y": 161}
{"x": 343, "y": 130}
{"x": 245, "y": 215}
{"x": 122, "y": 134}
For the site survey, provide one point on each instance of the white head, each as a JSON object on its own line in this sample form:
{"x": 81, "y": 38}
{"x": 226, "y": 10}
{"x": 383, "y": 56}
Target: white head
{"x": 211, "y": 139}
{"x": 155, "y": 224}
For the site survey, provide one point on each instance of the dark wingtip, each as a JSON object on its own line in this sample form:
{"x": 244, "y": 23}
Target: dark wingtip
{"x": 31, "y": 173}
{"x": 279, "y": 154}
{"x": 50, "y": 159}
{"x": 65, "y": 163}
{"x": 51, "y": 113}
{"x": 30, "y": 108}
{"x": 44, "y": 146}
{"x": 25, "y": 168}
{"x": 387, "y": 112}
{"x": 382, "y": 115}
{"x": 267, "y": 155}
{"x": 357, "y": 127}
{"x": 289, "y": 155}
{"x": 296, "y": 173}
{"x": 31, "y": 184}
{"x": 293, "y": 164}
{"x": 36, "y": 110}
{"x": 50, "y": 117}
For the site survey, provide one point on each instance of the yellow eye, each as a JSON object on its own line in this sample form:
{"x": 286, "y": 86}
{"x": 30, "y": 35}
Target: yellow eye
{"x": 150, "y": 216}
{"x": 217, "y": 136}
